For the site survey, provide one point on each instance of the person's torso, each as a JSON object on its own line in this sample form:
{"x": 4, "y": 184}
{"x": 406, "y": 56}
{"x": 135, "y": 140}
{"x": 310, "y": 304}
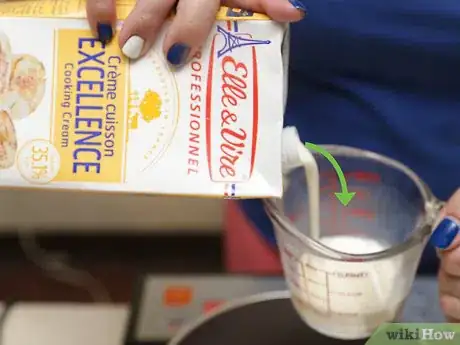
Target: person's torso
{"x": 384, "y": 76}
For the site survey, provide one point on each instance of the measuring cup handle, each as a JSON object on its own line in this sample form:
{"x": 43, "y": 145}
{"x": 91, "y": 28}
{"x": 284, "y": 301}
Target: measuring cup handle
{"x": 439, "y": 205}
{"x": 434, "y": 208}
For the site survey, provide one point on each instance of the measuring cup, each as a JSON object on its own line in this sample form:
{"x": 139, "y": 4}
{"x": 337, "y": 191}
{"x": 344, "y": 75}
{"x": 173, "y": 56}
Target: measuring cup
{"x": 358, "y": 273}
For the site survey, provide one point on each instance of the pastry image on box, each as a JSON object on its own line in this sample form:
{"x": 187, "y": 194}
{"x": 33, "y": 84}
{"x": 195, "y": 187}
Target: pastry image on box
{"x": 18, "y": 106}
{"x": 8, "y": 142}
{"x": 26, "y": 86}
{"x": 5, "y": 62}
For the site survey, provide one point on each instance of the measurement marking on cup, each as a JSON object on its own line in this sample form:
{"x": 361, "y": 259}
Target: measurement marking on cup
{"x": 362, "y": 213}
{"x": 337, "y": 274}
{"x": 290, "y": 255}
{"x": 305, "y": 277}
{"x": 345, "y": 294}
{"x": 295, "y": 271}
{"x": 328, "y": 299}
{"x": 364, "y": 176}
{"x": 313, "y": 268}
{"x": 336, "y": 313}
{"x": 295, "y": 283}
{"x": 315, "y": 282}
{"x": 362, "y": 194}
{"x": 318, "y": 297}
{"x": 346, "y": 275}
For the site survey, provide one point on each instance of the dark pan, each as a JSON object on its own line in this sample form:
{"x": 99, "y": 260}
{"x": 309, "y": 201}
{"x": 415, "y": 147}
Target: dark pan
{"x": 264, "y": 319}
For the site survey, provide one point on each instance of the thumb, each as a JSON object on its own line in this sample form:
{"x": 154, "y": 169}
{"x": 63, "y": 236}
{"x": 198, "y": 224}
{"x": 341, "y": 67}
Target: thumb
{"x": 445, "y": 233}
{"x": 284, "y": 11}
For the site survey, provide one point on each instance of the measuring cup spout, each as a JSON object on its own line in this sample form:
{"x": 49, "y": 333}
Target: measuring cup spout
{"x": 292, "y": 155}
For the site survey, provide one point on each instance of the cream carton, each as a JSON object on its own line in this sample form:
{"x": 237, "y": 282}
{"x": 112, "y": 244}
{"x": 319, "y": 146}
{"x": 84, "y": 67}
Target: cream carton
{"x": 77, "y": 115}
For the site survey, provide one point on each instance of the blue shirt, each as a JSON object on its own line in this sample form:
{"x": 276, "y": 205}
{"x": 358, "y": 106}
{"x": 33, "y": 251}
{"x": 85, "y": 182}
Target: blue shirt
{"x": 383, "y": 76}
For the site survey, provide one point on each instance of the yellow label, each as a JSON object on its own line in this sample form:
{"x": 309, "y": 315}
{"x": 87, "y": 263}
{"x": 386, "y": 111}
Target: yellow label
{"x": 76, "y": 9}
{"x": 90, "y": 105}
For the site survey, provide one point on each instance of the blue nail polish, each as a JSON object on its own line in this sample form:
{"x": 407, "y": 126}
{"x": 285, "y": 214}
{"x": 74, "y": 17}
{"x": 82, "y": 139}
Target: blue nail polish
{"x": 445, "y": 233}
{"x": 104, "y": 32}
{"x": 178, "y": 54}
{"x": 298, "y": 5}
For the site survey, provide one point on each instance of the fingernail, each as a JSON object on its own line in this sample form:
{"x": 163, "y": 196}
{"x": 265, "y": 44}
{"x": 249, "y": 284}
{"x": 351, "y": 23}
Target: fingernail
{"x": 178, "y": 54}
{"x": 444, "y": 233}
{"x": 104, "y": 32}
{"x": 133, "y": 47}
{"x": 298, "y": 5}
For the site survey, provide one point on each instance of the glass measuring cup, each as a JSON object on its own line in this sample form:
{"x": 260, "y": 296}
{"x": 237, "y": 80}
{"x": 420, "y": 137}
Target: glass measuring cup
{"x": 358, "y": 274}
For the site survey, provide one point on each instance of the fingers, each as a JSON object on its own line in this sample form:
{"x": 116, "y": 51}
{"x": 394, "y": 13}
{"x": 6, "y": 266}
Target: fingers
{"x": 451, "y": 307}
{"x": 450, "y": 262}
{"x": 191, "y": 25}
{"x": 189, "y": 29}
{"x": 449, "y": 289}
{"x": 444, "y": 235}
{"x": 449, "y": 284}
{"x": 102, "y": 18}
{"x": 278, "y": 10}
{"x": 142, "y": 26}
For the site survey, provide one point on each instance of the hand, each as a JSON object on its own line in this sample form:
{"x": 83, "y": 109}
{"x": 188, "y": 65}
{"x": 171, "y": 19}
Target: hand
{"x": 446, "y": 237}
{"x": 188, "y": 30}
